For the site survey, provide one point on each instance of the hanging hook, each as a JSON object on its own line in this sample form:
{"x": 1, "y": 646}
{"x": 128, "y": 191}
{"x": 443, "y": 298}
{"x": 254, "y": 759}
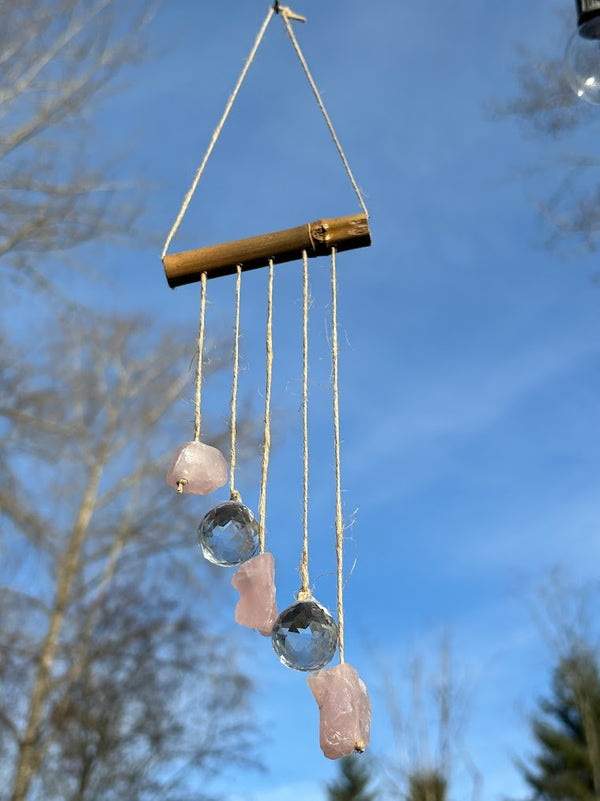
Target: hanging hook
{"x": 276, "y": 7}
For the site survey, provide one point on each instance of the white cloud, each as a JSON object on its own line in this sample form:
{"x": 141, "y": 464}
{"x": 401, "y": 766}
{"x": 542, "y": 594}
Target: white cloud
{"x": 426, "y": 412}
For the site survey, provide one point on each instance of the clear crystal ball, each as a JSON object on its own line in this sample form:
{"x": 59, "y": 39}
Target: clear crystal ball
{"x": 228, "y": 534}
{"x": 305, "y": 636}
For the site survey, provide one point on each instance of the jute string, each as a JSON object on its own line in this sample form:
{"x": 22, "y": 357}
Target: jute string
{"x": 217, "y": 132}
{"x": 286, "y": 15}
{"x": 197, "y": 416}
{"x": 199, "y": 364}
{"x": 234, "y": 494}
{"x": 339, "y": 521}
{"x": 262, "y": 503}
{"x": 305, "y": 586}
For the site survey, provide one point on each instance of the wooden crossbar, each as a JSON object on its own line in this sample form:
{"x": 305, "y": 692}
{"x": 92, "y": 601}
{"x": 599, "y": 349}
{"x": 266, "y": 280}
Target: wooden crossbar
{"x": 316, "y": 238}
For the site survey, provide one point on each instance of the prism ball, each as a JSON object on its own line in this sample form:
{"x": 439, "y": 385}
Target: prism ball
{"x": 228, "y": 534}
{"x": 305, "y": 636}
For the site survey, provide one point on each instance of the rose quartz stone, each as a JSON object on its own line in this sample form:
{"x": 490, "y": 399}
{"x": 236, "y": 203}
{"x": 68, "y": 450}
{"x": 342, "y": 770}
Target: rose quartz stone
{"x": 255, "y": 582}
{"x": 345, "y": 710}
{"x": 197, "y": 468}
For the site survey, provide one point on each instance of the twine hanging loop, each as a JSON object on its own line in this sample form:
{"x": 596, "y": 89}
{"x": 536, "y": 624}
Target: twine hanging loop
{"x": 287, "y": 13}
{"x": 234, "y": 494}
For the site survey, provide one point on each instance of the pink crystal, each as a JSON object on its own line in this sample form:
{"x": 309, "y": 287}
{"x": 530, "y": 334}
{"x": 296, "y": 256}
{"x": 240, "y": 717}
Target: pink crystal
{"x": 255, "y": 582}
{"x": 197, "y": 468}
{"x": 345, "y": 710}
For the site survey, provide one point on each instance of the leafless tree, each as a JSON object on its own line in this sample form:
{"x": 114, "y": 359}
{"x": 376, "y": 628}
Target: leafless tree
{"x": 57, "y": 60}
{"x": 428, "y": 732}
{"x": 115, "y": 682}
{"x": 114, "y": 679}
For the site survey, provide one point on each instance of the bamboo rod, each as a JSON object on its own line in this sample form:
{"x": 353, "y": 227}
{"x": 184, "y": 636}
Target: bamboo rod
{"x": 316, "y": 238}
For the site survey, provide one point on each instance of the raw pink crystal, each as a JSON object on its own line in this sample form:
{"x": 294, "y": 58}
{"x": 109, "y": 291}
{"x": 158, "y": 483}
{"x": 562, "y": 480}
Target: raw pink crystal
{"x": 197, "y": 468}
{"x": 255, "y": 582}
{"x": 345, "y": 710}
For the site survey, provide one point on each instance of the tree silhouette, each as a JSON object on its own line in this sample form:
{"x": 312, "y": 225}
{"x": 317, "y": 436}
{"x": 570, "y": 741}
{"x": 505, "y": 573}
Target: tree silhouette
{"x": 427, "y": 731}
{"x": 352, "y": 783}
{"x": 427, "y": 786}
{"x": 59, "y": 59}
{"x": 566, "y": 730}
{"x": 115, "y": 681}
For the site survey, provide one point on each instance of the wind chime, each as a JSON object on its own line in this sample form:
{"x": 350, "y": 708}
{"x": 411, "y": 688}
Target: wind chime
{"x": 305, "y": 635}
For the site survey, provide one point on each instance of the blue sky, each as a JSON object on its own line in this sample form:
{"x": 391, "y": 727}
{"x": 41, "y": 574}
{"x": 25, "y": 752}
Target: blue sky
{"x": 470, "y": 355}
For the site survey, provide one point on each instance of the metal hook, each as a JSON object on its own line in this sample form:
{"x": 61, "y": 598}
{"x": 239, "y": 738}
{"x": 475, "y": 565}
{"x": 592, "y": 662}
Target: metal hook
{"x": 276, "y": 7}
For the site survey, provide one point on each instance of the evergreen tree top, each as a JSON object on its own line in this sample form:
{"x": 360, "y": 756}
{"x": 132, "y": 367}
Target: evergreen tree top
{"x": 353, "y": 782}
{"x": 566, "y": 729}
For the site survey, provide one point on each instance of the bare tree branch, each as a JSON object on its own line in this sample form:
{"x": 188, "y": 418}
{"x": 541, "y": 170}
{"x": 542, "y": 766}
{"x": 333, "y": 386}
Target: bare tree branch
{"x": 58, "y": 58}
{"x": 546, "y": 106}
{"x": 117, "y": 630}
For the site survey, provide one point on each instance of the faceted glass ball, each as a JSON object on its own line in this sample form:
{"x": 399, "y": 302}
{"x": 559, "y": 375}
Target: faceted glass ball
{"x": 305, "y": 636}
{"x": 228, "y": 534}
